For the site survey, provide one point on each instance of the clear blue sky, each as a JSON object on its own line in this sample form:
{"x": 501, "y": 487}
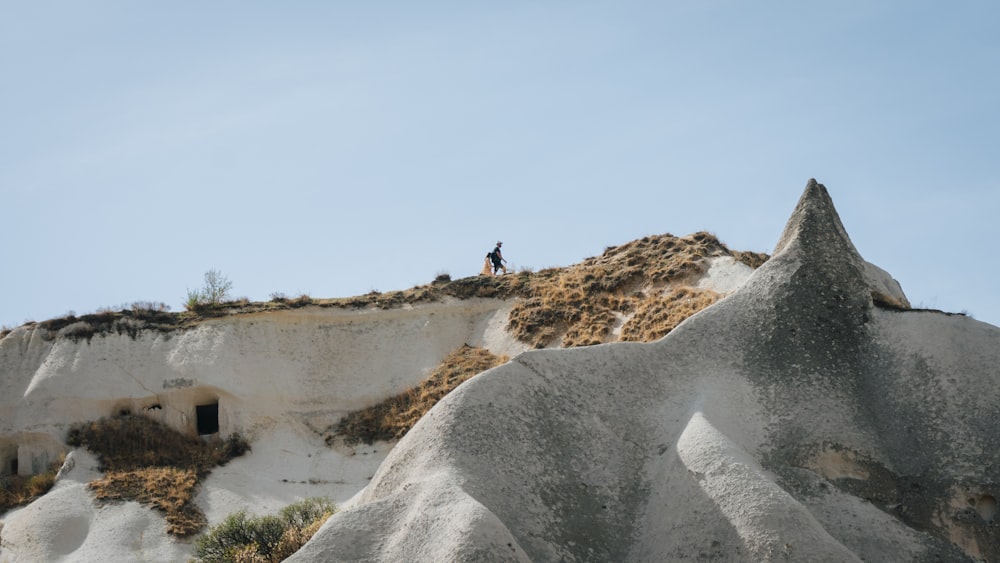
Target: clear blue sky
{"x": 334, "y": 148}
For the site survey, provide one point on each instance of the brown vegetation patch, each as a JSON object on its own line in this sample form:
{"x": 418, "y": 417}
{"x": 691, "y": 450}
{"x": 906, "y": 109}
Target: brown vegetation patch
{"x": 584, "y": 301}
{"x": 657, "y": 315}
{"x": 392, "y": 419}
{"x": 753, "y": 259}
{"x": 16, "y": 490}
{"x": 580, "y": 301}
{"x": 153, "y": 464}
{"x": 167, "y": 489}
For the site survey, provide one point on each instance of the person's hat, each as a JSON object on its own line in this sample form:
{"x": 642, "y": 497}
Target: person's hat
{"x": 499, "y": 243}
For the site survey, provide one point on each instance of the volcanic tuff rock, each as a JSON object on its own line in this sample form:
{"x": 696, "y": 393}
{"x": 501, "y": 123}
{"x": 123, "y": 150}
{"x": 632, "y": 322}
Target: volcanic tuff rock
{"x": 278, "y": 378}
{"x": 809, "y": 416}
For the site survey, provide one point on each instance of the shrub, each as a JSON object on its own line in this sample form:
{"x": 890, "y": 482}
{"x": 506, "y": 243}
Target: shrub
{"x": 193, "y": 301}
{"x": 232, "y": 447}
{"x": 306, "y": 511}
{"x": 40, "y": 484}
{"x": 213, "y": 293}
{"x": 295, "y": 538}
{"x": 222, "y": 542}
{"x": 264, "y": 539}
{"x": 217, "y": 287}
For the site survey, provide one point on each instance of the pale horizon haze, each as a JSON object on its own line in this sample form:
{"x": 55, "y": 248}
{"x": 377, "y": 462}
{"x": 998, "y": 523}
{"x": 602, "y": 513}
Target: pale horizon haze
{"x": 336, "y": 148}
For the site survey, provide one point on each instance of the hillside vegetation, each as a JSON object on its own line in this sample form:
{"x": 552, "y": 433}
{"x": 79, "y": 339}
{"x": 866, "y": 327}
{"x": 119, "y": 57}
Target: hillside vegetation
{"x": 582, "y": 303}
{"x": 638, "y": 291}
{"x": 17, "y": 490}
{"x": 243, "y": 538}
{"x": 153, "y": 464}
{"x": 393, "y": 417}
{"x": 642, "y": 287}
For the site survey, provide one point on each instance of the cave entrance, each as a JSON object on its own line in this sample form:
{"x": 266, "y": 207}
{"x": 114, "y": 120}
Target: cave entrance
{"x": 207, "y": 418}
{"x": 13, "y": 466}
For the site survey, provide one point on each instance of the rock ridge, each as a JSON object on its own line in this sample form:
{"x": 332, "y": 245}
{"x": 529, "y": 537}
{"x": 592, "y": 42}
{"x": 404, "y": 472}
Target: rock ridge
{"x": 793, "y": 420}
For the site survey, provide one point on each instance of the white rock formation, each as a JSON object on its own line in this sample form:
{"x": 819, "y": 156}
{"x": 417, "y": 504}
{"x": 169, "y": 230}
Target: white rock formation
{"x": 793, "y": 420}
{"x": 808, "y": 416}
{"x": 278, "y": 378}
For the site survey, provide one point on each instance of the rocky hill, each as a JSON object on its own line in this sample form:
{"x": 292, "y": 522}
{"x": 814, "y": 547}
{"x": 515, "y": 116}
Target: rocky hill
{"x": 802, "y": 412}
{"x": 808, "y": 417}
{"x": 100, "y": 404}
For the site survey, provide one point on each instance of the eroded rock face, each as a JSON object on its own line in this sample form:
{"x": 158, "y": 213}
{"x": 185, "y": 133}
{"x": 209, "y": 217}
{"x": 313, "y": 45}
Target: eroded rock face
{"x": 255, "y": 368}
{"x": 804, "y": 417}
{"x": 278, "y": 378}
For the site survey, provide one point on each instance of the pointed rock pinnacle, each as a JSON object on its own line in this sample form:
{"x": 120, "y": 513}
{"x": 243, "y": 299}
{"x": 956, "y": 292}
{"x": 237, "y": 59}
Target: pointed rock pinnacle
{"x": 815, "y": 226}
{"x": 815, "y": 239}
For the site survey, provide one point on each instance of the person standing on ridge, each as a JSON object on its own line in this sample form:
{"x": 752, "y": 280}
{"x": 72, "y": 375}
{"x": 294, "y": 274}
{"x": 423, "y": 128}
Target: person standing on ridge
{"x": 498, "y": 259}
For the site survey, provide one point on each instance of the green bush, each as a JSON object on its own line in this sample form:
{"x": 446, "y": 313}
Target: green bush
{"x": 263, "y": 538}
{"x": 307, "y": 511}
{"x": 223, "y": 541}
{"x": 267, "y": 532}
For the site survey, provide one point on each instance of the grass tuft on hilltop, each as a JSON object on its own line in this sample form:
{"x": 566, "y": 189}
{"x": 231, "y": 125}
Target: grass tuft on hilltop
{"x": 622, "y": 288}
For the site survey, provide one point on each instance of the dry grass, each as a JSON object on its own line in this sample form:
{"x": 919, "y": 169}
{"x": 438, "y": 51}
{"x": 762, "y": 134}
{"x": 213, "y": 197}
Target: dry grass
{"x": 580, "y": 302}
{"x": 392, "y": 419}
{"x": 167, "y": 489}
{"x": 657, "y": 315}
{"x": 584, "y": 302}
{"x": 16, "y": 490}
{"x": 753, "y": 259}
{"x": 153, "y": 464}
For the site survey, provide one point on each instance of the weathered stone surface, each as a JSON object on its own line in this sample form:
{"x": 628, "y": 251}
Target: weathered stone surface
{"x": 798, "y": 419}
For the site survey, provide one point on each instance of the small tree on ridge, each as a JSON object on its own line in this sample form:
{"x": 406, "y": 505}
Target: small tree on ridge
{"x": 214, "y": 292}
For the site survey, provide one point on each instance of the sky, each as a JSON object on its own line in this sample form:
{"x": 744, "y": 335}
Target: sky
{"x": 337, "y": 148}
